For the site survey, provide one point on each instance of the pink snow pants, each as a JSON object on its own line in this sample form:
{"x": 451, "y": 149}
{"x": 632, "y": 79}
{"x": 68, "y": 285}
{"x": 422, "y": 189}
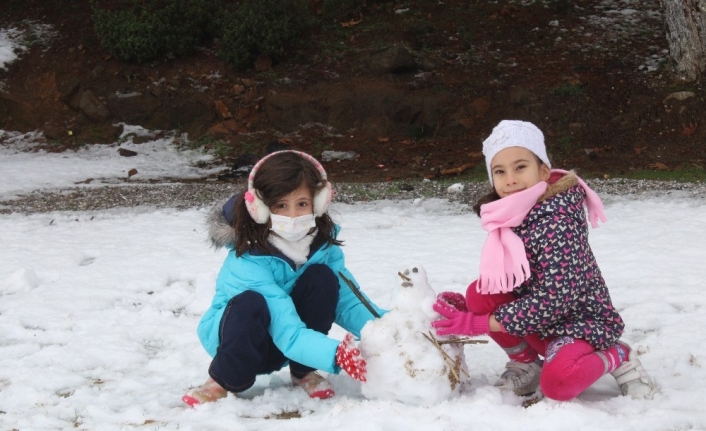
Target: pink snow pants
{"x": 572, "y": 369}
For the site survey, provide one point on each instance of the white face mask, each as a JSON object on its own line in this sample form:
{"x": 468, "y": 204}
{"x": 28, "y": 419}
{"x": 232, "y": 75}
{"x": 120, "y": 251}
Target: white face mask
{"x": 292, "y": 228}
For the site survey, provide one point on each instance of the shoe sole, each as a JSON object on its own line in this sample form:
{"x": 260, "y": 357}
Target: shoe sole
{"x": 322, "y": 395}
{"x": 190, "y": 401}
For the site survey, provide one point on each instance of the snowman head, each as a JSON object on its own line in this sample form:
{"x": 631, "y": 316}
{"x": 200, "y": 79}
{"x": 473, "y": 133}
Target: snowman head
{"x": 414, "y": 290}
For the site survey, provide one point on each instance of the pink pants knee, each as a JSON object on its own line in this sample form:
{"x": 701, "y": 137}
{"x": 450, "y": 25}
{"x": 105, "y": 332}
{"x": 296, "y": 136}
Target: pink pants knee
{"x": 573, "y": 368}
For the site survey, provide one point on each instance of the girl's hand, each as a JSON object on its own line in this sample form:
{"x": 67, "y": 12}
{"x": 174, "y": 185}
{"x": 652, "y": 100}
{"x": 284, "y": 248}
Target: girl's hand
{"x": 348, "y": 357}
{"x": 459, "y": 322}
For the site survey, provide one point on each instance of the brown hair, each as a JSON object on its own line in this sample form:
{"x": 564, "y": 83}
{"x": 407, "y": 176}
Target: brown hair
{"x": 485, "y": 199}
{"x": 277, "y": 177}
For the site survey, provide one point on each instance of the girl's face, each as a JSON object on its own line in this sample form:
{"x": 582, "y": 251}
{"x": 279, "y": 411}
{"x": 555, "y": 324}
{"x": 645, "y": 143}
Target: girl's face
{"x": 515, "y": 169}
{"x": 295, "y": 204}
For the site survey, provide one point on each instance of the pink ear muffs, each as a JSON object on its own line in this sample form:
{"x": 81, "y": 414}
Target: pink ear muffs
{"x": 261, "y": 213}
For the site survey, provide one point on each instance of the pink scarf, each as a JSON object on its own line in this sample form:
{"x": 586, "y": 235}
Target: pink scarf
{"x": 503, "y": 262}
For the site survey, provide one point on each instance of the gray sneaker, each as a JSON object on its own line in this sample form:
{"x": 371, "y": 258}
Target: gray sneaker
{"x": 521, "y": 378}
{"x": 632, "y": 378}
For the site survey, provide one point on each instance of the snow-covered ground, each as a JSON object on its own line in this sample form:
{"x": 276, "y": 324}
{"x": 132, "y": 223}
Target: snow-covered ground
{"x": 98, "y": 310}
{"x": 23, "y": 168}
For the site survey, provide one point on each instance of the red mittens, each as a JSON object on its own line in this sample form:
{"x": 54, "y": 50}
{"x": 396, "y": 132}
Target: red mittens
{"x": 348, "y": 357}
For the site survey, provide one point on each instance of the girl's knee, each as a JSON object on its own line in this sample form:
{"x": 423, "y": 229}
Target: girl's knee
{"x": 565, "y": 373}
{"x": 558, "y": 389}
{"x": 322, "y": 272}
{"x": 556, "y": 380}
{"x": 247, "y": 306}
{"x": 483, "y": 304}
{"x": 248, "y": 299}
{"x": 318, "y": 285}
{"x": 321, "y": 279}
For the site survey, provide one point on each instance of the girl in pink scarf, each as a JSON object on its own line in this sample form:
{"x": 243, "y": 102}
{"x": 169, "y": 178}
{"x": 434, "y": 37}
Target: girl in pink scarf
{"x": 540, "y": 293}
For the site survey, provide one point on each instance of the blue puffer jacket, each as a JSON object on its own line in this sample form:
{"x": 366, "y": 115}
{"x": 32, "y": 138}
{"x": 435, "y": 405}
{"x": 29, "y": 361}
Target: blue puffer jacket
{"x": 274, "y": 276}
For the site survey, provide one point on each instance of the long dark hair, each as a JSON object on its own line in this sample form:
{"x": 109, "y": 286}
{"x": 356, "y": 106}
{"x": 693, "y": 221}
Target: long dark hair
{"x": 485, "y": 199}
{"x": 277, "y": 177}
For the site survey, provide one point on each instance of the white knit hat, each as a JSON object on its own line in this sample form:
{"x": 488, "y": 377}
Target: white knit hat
{"x": 514, "y": 133}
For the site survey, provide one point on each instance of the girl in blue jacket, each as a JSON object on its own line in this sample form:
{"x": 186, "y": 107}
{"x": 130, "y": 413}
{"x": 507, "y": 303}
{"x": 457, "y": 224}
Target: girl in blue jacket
{"x": 282, "y": 285}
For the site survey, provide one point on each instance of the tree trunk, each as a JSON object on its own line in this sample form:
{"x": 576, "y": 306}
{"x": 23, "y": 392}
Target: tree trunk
{"x": 685, "y": 22}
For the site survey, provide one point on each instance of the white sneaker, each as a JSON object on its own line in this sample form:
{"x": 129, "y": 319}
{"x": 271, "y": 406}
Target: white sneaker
{"x": 632, "y": 378}
{"x": 521, "y": 378}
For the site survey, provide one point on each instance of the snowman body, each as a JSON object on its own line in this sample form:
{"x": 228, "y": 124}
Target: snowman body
{"x": 403, "y": 364}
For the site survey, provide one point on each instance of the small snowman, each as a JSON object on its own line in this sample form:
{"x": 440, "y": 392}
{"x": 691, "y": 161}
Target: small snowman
{"x": 404, "y": 357}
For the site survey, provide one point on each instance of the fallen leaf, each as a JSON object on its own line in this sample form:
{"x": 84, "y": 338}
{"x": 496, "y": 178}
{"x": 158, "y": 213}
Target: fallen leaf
{"x": 351, "y": 23}
{"x": 285, "y": 140}
{"x": 383, "y": 139}
{"x": 639, "y": 150}
{"x": 476, "y": 154}
{"x": 131, "y": 172}
{"x": 659, "y": 166}
{"x": 690, "y": 129}
{"x": 223, "y": 110}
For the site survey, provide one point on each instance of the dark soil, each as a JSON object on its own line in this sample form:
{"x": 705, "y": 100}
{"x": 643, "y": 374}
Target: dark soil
{"x": 593, "y": 76}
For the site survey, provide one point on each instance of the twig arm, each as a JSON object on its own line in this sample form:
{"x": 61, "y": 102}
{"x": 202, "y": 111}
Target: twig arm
{"x": 359, "y": 295}
{"x": 446, "y": 356}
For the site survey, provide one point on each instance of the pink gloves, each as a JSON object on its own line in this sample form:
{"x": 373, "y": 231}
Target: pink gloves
{"x": 348, "y": 357}
{"x": 455, "y": 300}
{"x": 458, "y": 320}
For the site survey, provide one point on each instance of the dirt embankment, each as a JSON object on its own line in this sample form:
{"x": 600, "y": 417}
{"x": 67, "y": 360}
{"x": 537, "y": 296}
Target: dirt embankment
{"x": 413, "y": 92}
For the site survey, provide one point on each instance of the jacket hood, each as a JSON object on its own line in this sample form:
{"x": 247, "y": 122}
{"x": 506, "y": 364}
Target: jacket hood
{"x": 220, "y": 230}
{"x": 559, "y": 185}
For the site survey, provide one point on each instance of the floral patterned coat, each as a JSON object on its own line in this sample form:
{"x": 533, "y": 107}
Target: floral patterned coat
{"x": 566, "y": 294}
